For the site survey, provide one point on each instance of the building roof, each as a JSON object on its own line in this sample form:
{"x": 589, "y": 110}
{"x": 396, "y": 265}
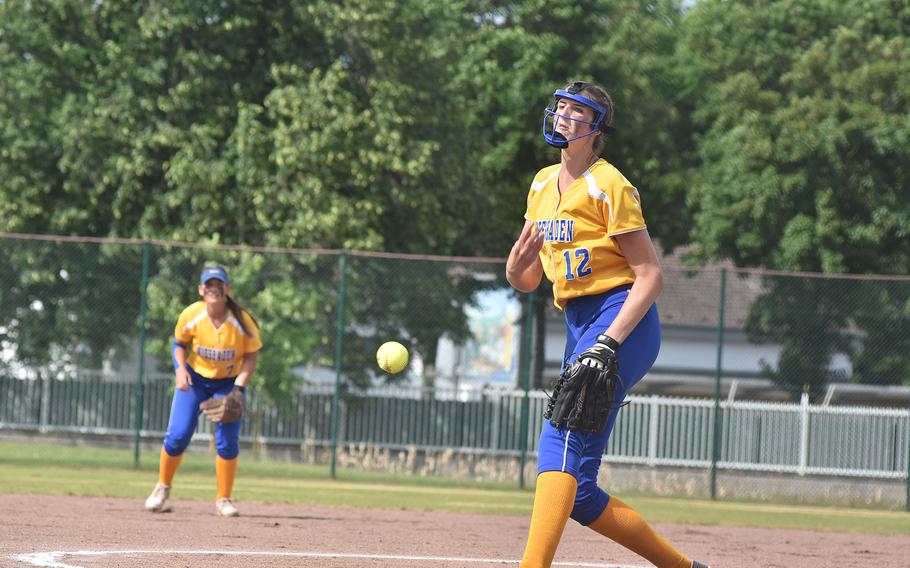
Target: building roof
{"x": 691, "y": 296}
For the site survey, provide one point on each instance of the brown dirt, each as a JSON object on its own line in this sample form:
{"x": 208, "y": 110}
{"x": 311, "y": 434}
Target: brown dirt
{"x": 33, "y": 524}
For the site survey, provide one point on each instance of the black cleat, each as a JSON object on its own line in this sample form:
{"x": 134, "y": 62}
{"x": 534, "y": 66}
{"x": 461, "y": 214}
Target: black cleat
{"x": 697, "y": 564}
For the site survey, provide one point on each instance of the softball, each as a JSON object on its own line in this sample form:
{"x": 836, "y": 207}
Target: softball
{"x": 392, "y": 357}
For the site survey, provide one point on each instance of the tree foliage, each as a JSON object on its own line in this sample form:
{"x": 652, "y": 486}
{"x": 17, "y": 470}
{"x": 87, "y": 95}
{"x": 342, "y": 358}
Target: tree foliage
{"x": 399, "y": 126}
{"x": 801, "y": 133}
{"x": 771, "y": 132}
{"x": 801, "y": 127}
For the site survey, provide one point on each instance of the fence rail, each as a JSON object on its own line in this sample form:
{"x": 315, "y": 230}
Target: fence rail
{"x": 799, "y": 438}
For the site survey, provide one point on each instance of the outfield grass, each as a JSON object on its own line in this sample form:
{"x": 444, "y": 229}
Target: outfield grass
{"x": 89, "y": 471}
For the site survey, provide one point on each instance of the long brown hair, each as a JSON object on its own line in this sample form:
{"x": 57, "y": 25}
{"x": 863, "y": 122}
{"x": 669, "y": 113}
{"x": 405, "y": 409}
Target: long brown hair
{"x": 238, "y": 311}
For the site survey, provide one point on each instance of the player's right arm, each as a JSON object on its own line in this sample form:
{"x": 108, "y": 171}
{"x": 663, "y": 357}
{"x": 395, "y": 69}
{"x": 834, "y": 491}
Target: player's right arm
{"x": 181, "y": 376}
{"x": 182, "y": 340}
{"x": 524, "y": 269}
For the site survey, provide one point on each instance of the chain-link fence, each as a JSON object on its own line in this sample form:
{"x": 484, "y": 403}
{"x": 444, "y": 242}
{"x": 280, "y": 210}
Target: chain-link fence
{"x": 763, "y": 378}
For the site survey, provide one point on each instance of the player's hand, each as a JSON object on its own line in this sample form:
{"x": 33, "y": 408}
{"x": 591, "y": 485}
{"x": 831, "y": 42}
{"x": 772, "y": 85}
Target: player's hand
{"x": 600, "y": 355}
{"x": 526, "y": 249}
{"x": 586, "y": 393}
{"x": 182, "y": 379}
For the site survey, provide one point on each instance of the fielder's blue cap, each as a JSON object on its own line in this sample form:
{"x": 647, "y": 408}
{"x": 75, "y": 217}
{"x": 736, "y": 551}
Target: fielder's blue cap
{"x": 215, "y": 272}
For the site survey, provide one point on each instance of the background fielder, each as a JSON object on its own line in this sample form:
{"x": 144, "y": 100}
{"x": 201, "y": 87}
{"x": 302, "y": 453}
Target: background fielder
{"x": 215, "y": 351}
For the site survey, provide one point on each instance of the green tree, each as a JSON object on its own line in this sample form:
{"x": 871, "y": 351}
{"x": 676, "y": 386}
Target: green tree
{"x": 400, "y": 126}
{"x": 63, "y": 307}
{"x": 406, "y": 126}
{"x": 116, "y": 115}
{"x": 800, "y": 125}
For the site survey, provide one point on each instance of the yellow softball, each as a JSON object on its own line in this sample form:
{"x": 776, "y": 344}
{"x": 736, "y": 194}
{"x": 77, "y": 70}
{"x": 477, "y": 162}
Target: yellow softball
{"x": 392, "y": 357}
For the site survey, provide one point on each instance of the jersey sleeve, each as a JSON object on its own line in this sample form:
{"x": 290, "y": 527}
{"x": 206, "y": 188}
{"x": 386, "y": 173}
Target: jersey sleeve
{"x": 624, "y": 215}
{"x": 540, "y": 181}
{"x": 182, "y": 335}
{"x": 252, "y": 342}
{"x": 529, "y": 205}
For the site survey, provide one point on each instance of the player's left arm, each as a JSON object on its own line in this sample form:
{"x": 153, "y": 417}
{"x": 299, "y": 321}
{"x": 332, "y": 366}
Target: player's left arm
{"x": 251, "y": 346}
{"x": 649, "y": 282}
{"x": 247, "y": 368}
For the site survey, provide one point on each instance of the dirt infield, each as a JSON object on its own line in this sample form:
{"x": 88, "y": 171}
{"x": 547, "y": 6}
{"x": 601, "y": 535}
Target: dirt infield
{"x": 70, "y": 532}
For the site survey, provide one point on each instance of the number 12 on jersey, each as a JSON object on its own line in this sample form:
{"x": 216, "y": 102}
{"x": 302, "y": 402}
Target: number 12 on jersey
{"x": 581, "y": 269}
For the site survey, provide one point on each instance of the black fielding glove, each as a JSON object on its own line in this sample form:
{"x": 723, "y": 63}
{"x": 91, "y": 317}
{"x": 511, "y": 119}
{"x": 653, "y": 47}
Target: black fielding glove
{"x": 585, "y": 393}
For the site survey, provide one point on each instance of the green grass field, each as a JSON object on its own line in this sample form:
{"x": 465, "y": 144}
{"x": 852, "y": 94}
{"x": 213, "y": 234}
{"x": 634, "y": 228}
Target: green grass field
{"x": 90, "y": 471}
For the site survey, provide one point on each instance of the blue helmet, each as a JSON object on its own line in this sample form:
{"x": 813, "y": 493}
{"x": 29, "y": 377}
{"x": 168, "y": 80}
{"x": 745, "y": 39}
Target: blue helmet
{"x": 551, "y": 118}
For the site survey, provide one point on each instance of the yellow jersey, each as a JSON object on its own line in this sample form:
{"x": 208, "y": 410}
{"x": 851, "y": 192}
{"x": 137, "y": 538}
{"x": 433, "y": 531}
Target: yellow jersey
{"x": 580, "y": 256}
{"x": 215, "y": 353}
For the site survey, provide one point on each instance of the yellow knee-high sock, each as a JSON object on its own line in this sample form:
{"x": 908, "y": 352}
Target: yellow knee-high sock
{"x": 624, "y": 525}
{"x": 225, "y": 470}
{"x": 167, "y": 467}
{"x": 553, "y": 502}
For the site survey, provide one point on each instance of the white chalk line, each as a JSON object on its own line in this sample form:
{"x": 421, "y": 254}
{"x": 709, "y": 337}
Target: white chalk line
{"x": 54, "y": 559}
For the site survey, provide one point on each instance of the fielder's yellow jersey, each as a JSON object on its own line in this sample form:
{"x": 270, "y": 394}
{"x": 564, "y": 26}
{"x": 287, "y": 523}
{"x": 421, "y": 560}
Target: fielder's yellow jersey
{"x": 580, "y": 256}
{"x": 215, "y": 353}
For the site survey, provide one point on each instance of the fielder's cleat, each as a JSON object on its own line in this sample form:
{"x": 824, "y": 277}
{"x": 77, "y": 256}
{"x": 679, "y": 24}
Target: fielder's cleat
{"x": 155, "y": 502}
{"x": 697, "y": 564}
{"x": 226, "y": 508}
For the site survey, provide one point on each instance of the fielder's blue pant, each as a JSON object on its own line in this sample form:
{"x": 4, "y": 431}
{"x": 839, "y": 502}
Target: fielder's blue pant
{"x": 580, "y": 454}
{"x": 185, "y": 415}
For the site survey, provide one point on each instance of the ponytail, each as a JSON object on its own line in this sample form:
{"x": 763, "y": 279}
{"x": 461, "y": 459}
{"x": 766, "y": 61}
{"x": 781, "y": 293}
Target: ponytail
{"x": 238, "y": 312}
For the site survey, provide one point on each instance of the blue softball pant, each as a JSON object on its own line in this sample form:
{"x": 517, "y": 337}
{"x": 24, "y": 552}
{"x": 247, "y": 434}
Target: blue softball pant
{"x": 185, "y": 416}
{"x": 580, "y": 454}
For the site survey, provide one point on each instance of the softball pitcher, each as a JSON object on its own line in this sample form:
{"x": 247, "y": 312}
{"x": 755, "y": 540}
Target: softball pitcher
{"x": 585, "y": 230}
{"x": 216, "y": 345}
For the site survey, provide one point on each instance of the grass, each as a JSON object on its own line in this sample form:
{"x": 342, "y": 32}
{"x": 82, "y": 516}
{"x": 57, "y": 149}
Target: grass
{"x": 54, "y": 469}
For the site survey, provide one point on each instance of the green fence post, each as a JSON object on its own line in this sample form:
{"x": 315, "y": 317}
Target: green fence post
{"x": 718, "y": 371}
{"x": 527, "y": 333}
{"x": 339, "y": 350}
{"x": 140, "y": 380}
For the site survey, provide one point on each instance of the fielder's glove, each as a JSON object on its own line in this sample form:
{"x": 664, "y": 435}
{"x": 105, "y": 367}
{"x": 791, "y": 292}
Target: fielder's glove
{"x": 225, "y": 409}
{"x": 585, "y": 393}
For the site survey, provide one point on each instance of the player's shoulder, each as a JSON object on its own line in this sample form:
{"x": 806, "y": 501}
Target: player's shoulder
{"x": 544, "y": 176}
{"x": 608, "y": 176}
{"x": 193, "y": 310}
{"x": 547, "y": 172}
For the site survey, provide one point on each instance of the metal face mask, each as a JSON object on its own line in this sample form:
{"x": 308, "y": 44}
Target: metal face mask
{"x": 551, "y": 118}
